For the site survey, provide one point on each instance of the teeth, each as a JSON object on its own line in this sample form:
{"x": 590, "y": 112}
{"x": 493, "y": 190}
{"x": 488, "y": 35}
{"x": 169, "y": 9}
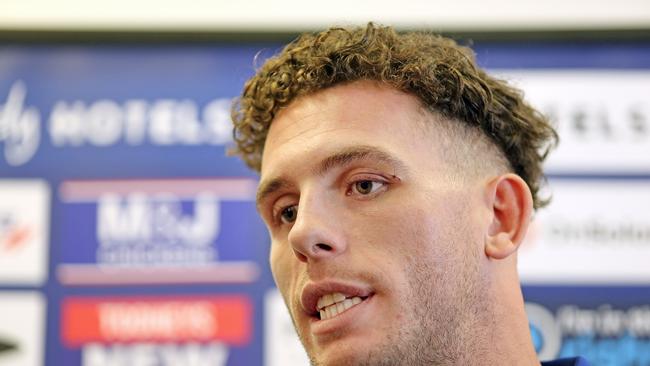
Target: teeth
{"x": 333, "y": 304}
{"x": 325, "y": 301}
{"x": 339, "y": 307}
{"x": 330, "y": 299}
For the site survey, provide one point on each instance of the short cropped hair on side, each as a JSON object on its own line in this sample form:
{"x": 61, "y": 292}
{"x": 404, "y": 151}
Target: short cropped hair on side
{"x": 443, "y": 75}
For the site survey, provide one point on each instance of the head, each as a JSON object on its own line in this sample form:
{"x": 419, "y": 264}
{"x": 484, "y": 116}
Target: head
{"x": 397, "y": 181}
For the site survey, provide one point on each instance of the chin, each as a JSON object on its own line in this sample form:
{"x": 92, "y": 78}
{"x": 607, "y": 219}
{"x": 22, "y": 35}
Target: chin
{"x": 336, "y": 357}
{"x": 348, "y": 351}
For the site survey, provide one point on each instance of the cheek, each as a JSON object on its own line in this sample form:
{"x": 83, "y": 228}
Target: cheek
{"x": 397, "y": 236}
{"x": 280, "y": 267}
{"x": 424, "y": 231}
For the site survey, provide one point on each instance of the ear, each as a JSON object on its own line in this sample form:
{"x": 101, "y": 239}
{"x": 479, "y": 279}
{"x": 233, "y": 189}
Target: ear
{"x": 512, "y": 205}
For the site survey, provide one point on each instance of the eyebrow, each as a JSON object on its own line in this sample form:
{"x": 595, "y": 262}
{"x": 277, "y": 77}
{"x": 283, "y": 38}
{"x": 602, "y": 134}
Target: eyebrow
{"x": 339, "y": 159}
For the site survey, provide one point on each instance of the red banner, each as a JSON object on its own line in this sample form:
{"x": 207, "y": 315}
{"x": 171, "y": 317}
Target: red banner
{"x": 226, "y": 319}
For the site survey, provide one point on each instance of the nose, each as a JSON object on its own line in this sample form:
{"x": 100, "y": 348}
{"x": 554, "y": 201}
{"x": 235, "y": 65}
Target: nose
{"x": 318, "y": 233}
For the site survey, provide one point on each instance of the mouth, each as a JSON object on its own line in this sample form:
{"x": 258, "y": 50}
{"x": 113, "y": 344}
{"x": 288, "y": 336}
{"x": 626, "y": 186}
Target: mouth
{"x": 331, "y": 305}
{"x": 327, "y": 300}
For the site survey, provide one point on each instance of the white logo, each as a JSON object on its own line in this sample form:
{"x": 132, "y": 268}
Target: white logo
{"x": 576, "y": 240}
{"x": 157, "y": 219}
{"x": 20, "y": 127}
{"x": 105, "y": 123}
{"x": 602, "y": 117}
{"x": 147, "y": 354}
{"x": 141, "y": 229}
{"x": 22, "y": 326}
{"x": 24, "y": 222}
{"x": 161, "y": 122}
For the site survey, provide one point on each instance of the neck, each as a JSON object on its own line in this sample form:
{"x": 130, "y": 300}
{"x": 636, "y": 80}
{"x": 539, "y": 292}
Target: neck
{"x": 510, "y": 341}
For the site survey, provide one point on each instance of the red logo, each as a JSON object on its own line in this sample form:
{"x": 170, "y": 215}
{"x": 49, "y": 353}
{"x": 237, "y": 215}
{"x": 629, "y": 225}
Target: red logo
{"x": 12, "y": 234}
{"x": 227, "y": 319}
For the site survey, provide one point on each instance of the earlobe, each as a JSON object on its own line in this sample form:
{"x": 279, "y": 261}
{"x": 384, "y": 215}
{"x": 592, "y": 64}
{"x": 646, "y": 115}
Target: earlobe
{"x": 499, "y": 246}
{"x": 511, "y": 203}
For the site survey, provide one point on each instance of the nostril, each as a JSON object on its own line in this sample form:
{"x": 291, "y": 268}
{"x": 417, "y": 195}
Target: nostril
{"x": 301, "y": 257}
{"x": 322, "y": 246}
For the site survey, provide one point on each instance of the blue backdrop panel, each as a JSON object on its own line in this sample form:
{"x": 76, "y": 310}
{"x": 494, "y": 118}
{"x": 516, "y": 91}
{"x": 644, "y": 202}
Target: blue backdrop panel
{"x": 148, "y": 212}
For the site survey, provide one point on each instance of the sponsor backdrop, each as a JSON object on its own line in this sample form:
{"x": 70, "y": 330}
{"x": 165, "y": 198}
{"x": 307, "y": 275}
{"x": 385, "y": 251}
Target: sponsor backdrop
{"x": 128, "y": 237}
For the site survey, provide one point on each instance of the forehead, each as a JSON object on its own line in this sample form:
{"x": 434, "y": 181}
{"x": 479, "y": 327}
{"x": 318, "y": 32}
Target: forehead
{"x": 360, "y": 113}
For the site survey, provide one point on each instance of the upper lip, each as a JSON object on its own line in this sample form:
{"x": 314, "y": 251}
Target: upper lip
{"x": 314, "y": 290}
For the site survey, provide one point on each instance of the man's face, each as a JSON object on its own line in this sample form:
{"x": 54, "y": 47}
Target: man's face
{"x": 376, "y": 248}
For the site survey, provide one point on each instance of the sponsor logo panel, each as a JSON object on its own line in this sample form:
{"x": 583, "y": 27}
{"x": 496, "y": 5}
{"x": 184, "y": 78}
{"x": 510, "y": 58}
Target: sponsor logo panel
{"x": 605, "y": 335}
{"x": 600, "y": 129}
{"x": 22, "y": 328}
{"x": 158, "y": 231}
{"x": 223, "y": 318}
{"x": 187, "y": 330}
{"x": 106, "y": 123}
{"x": 592, "y": 232}
{"x": 24, "y": 231}
{"x": 602, "y": 117}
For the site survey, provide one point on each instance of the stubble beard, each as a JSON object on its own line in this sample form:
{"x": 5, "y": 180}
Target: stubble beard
{"x": 447, "y": 322}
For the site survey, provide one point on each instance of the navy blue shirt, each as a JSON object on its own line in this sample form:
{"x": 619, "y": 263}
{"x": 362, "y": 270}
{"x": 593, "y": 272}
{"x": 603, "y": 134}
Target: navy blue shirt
{"x": 577, "y": 361}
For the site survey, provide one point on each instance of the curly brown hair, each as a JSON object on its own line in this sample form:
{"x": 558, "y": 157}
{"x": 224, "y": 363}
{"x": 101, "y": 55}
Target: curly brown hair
{"x": 441, "y": 73}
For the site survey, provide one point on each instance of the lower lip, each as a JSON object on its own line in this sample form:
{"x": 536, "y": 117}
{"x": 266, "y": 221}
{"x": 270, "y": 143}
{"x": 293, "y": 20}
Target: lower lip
{"x": 343, "y": 320}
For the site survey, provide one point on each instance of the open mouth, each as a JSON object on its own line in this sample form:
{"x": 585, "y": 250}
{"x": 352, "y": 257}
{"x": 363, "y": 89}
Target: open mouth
{"x": 331, "y": 305}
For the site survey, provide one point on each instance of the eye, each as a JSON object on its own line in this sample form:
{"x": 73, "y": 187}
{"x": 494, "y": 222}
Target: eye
{"x": 288, "y": 214}
{"x": 366, "y": 187}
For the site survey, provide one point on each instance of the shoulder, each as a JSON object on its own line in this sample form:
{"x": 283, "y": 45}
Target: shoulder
{"x": 575, "y": 361}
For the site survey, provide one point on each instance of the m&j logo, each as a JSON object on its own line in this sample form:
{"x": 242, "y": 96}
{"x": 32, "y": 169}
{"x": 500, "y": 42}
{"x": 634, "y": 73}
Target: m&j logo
{"x": 158, "y": 231}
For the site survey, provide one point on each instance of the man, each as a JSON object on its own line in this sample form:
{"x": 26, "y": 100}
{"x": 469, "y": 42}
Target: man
{"x": 397, "y": 182}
